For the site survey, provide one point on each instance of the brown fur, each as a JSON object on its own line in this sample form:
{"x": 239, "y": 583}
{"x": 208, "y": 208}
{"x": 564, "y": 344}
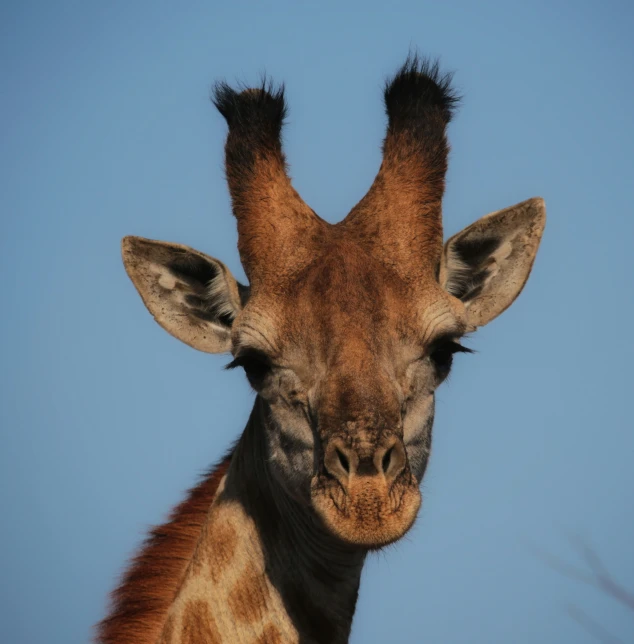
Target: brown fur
{"x": 400, "y": 218}
{"x": 168, "y": 631}
{"x": 273, "y": 220}
{"x": 214, "y": 563}
{"x": 273, "y": 206}
{"x": 199, "y": 626}
{"x": 271, "y": 635}
{"x": 141, "y": 602}
{"x": 248, "y": 597}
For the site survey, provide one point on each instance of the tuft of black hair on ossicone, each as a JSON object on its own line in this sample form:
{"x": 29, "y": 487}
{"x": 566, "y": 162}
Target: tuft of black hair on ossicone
{"x": 253, "y": 109}
{"x": 419, "y": 90}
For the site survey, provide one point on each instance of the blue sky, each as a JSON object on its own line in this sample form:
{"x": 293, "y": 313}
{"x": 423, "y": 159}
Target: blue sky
{"x": 105, "y": 419}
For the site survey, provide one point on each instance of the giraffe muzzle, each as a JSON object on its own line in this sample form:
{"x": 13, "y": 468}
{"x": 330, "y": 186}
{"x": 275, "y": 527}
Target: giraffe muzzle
{"x": 367, "y": 495}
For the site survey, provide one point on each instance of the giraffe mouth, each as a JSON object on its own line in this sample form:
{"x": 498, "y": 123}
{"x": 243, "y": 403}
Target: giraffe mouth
{"x": 369, "y": 513}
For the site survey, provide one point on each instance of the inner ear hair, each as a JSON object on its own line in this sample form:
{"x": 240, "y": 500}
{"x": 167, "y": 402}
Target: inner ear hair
{"x": 471, "y": 264}
{"x": 204, "y": 288}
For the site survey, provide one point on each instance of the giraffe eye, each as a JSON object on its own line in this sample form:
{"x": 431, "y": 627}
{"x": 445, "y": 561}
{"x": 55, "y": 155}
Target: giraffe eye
{"x": 442, "y": 353}
{"x": 256, "y": 364}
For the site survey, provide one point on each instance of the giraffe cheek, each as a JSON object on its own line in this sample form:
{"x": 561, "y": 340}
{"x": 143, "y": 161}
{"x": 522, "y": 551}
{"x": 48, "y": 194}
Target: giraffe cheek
{"x": 292, "y": 466}
{"x": 418, "y": 426}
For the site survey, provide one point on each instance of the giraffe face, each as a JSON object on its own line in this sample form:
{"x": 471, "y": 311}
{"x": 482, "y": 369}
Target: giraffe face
{"x": 348, "y": 357}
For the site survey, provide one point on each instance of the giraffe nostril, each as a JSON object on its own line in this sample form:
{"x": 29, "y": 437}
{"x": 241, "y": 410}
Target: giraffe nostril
{"x": 340, "y": 462}
{"x": 345, "y": 463}
{"x": 393, "y": 461}
{"x": 387, "y": 459}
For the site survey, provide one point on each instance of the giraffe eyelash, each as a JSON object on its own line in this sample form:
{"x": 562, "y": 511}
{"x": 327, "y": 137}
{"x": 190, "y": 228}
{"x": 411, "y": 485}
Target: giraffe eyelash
{"x": 448, "y": 344}
{"x": 248, "y": 358}
{"x": 442, "y": 351}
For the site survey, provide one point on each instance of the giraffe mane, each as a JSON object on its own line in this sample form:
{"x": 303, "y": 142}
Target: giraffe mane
{"x": 147, "y": 589}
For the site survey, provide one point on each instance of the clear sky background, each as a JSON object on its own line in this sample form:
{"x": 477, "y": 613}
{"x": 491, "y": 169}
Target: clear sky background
{"x": 107, "y": 130}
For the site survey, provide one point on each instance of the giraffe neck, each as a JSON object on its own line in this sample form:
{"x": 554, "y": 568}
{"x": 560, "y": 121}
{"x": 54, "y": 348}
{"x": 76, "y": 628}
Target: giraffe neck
{"x": 263, "y": 570}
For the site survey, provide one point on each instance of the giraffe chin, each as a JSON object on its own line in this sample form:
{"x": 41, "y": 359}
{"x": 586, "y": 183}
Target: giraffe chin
{"x": 367, "y": 515}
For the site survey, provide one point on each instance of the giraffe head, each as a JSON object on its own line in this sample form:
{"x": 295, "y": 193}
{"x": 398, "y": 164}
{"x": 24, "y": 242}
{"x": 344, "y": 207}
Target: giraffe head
{"x": 345, "y": 330}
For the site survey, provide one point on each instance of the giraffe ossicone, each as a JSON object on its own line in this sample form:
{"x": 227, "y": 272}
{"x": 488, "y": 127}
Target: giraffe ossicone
{"x": 345, "y": 331}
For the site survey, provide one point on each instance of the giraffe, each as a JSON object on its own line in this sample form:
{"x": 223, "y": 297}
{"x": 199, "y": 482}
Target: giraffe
{"x": 344, "y": 332}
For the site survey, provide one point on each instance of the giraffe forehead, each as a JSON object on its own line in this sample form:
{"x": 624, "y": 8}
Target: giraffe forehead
{"x": 345, "y": 292}
{"x": 346, "y": 303}
{"x": 355, "y": 311}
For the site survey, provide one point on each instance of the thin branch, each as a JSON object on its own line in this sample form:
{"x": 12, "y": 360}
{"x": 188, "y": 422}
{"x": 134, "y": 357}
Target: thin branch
{"x": 598, "y": 575}
{"x": 603, "y": 579}
{"x": 590, "y": 626}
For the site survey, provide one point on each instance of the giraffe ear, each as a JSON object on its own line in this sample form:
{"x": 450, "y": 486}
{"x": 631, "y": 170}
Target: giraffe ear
{"x": 487, "y": 264}
{"x": 191, "y": 295}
